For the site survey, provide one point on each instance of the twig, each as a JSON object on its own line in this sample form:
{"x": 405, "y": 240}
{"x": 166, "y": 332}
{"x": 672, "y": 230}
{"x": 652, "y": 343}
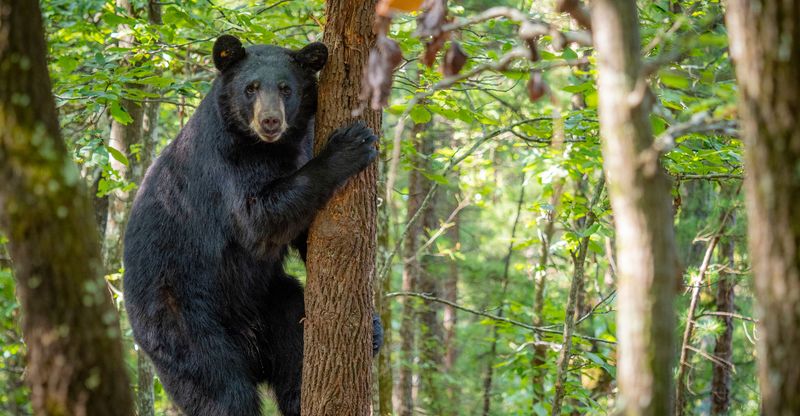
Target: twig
{"x": 512, "y": 322}
{"x": 596, "y": 305}
{"x": 713, "y": 358}
{"x": 699, "y": 123}
{"x": 728, "y": 314}
{"x": 446, "y": 224}
{"x": 708, "y": 176}
{"x": 529, "y": 29}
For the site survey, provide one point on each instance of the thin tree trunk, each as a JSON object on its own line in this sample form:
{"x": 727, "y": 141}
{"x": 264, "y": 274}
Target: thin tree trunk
{"x": 579, "y": 261}
{"x": 540, "y": 351}
{"x": 382, "y": 306}
{"x": 723, "y": 348}
{"x": 450, "y": 293}
{"x": 488, "y": 377}
{"x": 145, "y": 398}
{"x": 412, "y": 269}
{"x": 122, "y": 137}
{"x": 696, "y": 285}
{"x": 639, "y": 191}
{"x": 337, "y": 376}
{"x": 430, "y": 331}
{"x": 765, "y": 47}
{"x": 75, "y": 363}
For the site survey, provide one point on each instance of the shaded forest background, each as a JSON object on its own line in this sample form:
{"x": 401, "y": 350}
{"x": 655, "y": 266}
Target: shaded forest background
{"x": 495, "y": 229}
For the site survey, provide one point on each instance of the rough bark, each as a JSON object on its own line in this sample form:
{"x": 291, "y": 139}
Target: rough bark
{"x": 723, "y": 348}
{"x": 765, "y": 47}
{"x": 639, "y": 191}
{"x": 337, "y": 377}
{"x": 75, "y": 363}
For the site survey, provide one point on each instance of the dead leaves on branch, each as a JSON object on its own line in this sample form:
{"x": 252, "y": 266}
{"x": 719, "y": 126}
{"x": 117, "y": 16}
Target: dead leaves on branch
{"x": 434, "y": 25}
{"x": 454, "y": 60}
{"x": 383, "y": 59}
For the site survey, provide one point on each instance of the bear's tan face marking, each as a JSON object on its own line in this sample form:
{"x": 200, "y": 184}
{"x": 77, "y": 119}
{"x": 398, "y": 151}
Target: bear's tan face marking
{"x": 269, "y": 115}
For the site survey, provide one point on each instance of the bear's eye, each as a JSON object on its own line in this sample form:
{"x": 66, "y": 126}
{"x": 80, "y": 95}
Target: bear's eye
{"x": 284, "y": 89}
{"x": 251, "y": 89}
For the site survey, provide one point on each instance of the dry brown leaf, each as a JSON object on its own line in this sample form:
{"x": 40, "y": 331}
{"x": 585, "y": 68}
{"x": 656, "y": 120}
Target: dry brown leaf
{"x": 536, "y": 86}
{"x": 454, "y": 60}
{"x": 433, "y": 47}
{"x": 383, "y": 59}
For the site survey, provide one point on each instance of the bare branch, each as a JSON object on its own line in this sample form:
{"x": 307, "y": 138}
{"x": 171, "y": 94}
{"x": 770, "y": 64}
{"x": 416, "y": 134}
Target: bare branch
{"x": 709, "y": 176}
{"x": 529, "y": 29}
{"x": 431, "y": 298}
{"x": 728, "y": 314}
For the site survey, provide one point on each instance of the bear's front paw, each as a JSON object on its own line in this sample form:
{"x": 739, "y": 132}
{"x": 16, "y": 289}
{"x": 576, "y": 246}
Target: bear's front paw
{"x": 350, "y": 149}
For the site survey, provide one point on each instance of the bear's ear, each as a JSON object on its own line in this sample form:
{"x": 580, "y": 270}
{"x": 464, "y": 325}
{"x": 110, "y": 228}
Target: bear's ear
{"x": 312, "y": 56}
{"x": 227, "y": 51}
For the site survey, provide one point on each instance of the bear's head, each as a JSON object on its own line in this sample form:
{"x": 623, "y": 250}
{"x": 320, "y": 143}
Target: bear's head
{"x": 267, "y": 91}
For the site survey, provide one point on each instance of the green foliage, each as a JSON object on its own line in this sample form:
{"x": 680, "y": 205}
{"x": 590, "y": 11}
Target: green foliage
{"x": 553, "y": 155}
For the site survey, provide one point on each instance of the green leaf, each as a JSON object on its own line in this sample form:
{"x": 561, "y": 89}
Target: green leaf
{"x": 119, "y": 114}
{"x": 580, "y": 87}
{"x": 420, "y": 115}
{"x": 674, "y": 79}
{"x": 118, "y": 156}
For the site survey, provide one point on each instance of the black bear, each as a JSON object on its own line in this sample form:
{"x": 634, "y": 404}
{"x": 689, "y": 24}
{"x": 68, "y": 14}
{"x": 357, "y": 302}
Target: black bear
{"x": 205, "y": 289}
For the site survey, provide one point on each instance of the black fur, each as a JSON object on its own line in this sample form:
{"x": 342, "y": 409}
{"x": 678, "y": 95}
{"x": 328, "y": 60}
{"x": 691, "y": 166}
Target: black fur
{"x": 205, "y": 288}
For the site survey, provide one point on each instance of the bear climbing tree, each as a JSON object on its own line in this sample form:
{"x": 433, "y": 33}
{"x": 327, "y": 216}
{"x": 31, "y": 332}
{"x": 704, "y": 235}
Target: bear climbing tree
{"x": 341, "y": 257}
{"x": 205, "y": 289}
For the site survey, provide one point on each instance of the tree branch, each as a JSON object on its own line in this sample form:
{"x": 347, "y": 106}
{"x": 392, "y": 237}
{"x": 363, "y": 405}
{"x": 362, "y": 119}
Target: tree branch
{"x": 431, "y": 298}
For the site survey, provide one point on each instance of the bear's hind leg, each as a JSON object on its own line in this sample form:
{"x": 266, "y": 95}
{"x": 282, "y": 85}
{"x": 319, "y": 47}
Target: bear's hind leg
{"x": 197, "y": 398}
{"x": 207, "y": 377}
{"x": 284, "y": 311}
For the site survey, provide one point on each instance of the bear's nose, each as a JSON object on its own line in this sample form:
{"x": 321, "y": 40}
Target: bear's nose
{"x": 270, "y": 123}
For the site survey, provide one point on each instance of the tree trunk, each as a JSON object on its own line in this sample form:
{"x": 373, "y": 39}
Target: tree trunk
{"x": 418, "y": 187}
{"x": 122, "y": 137}
{"x": 639, "y": 191}
{"x": 723, "y": 348}
{"x": 337, "y": 377}
{"x": 540, "y": 271}
{"x": 382, "y": 306}
{"x": 765, "y": 47}
{"x": 488, "y": 376}
{"x": 570, "y": 315}
{"x": 450, "y": 293}
{"x": 430, "y": 326}
{"x": 145, "y": 398}
{"x": 75, "y": 363}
